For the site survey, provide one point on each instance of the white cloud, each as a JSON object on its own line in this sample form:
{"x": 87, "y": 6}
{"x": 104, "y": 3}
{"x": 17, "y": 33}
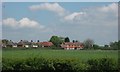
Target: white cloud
{"x": 73, "y": 15}
{"x": 24, "y": 22}
{"x": 103, "y": 15}
{"x": 112, "y": 7}
{"x": 98, "y": 23}
{"x": 10, "y": 22}
{"x": 54, "y": 7}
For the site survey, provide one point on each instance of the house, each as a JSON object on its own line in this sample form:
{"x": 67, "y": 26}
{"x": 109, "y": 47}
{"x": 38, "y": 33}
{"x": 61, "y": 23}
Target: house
{"x": 72, "y": 45}
{"x": 34, "y": 45}
{"x": 3, "y": 45}
{"x": 24, "y": 43}
{"x": 11, "y": 44}
{"x": 20, "y": 44}
{"x": 14, "y": 45}
{"x": 45, "y": 44}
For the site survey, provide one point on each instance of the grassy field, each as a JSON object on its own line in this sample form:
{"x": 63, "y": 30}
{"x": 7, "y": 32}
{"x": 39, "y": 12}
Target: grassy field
{"x": 81, "y": 55}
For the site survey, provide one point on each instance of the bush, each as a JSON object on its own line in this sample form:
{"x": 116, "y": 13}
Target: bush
{"x": 59, "y": 65}
{"x": 102, "y": 65}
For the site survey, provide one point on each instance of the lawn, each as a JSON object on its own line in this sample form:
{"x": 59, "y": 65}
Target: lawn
{"x": 82, "y": 55}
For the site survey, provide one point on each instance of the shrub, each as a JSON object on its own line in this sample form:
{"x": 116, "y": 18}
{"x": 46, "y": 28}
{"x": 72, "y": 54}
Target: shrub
{"x": 60, "y": 65}
{"x": 102, "y": 65}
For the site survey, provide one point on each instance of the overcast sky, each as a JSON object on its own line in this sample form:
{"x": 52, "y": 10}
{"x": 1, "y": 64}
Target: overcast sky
{"x": 76, "y": 20}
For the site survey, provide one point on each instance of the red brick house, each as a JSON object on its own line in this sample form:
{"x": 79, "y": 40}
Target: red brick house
{"x": 72, "y": 46}
{"x": 45, "y": 44}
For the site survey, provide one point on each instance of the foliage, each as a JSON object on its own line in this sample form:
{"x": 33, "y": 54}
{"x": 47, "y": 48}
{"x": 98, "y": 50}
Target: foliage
{"x": 102, "y": 65}
{"x": 106, "y": 46}
{"x": 59, "y": 65}
{"x": 95, "y": 46}
{"x": 56, "y": 41}
{"x": 114, "y": 45}
{"x": 67, "y": 39}
{"x": 5, "y": 41}
{"x": 75, "y": 41}
{"x": 88, "y": 43}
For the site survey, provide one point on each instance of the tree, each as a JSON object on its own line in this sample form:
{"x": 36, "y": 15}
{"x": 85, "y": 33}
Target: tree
{"x": 73, "y": 41}
{"x": 88, "y": 43}
{"x": 95, "y": 46}
{"x": 114, "y": 45}
{"x": 38, "y": 41}
{"x": 67, "y": 39}
{"x": 56, "y": 40}
{"x": 5, "y": 41}
{"x": 62, "y": 39}
{"x": 106, "y": 46}
{"x": 31, "y": 40}
{"x": 76, "y": 41}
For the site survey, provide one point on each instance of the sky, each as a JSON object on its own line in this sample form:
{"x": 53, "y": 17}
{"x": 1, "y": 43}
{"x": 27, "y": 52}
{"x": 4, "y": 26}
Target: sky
{"x": 76, "y": 20}
{"x": 60, "y": 0}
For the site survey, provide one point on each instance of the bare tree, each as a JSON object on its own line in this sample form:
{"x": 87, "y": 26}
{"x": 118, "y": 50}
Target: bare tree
{"x": 88, "y": 43}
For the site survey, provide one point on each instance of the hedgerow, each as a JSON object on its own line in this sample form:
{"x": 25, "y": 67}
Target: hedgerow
{"x": 60, "y": 65}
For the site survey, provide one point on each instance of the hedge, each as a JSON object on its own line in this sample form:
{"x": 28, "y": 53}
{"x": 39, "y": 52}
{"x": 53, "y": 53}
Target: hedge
{"x": 60, "y": 65}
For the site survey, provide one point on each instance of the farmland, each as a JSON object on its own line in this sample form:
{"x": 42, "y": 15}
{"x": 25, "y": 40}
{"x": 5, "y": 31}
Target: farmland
{"x": 12, "y": 56}
{"x": 72, "y": 54}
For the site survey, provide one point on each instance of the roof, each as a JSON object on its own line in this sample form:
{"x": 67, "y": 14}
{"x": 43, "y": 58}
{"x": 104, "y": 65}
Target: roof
{"x": 46, "y": 43}
{"x": 33, "y": 43}
{"x": 24, "y": 43}
{"x": 11, "y": 43}
{"x": 71, "y": 43}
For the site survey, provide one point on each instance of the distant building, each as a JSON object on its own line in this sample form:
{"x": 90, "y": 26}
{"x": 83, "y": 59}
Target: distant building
{"x": 45, "y": 44}
{"x": 34, "y": 45}
{"x": 3, "y": 45}
{"x": 11, "y": 44}
{"x": 72, "y": 45}
{"x": 24, "y": 43}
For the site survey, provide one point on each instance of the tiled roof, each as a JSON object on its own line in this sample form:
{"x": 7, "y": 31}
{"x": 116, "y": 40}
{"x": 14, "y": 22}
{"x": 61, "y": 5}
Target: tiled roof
{"x": 71, "y": 43}
{"x": 11, "y": 43}
{"x": 24, "y": 43}
{"x": 46, "y": 43}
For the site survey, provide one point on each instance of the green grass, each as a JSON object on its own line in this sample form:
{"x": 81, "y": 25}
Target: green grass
{"x": 81, "y": 55}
